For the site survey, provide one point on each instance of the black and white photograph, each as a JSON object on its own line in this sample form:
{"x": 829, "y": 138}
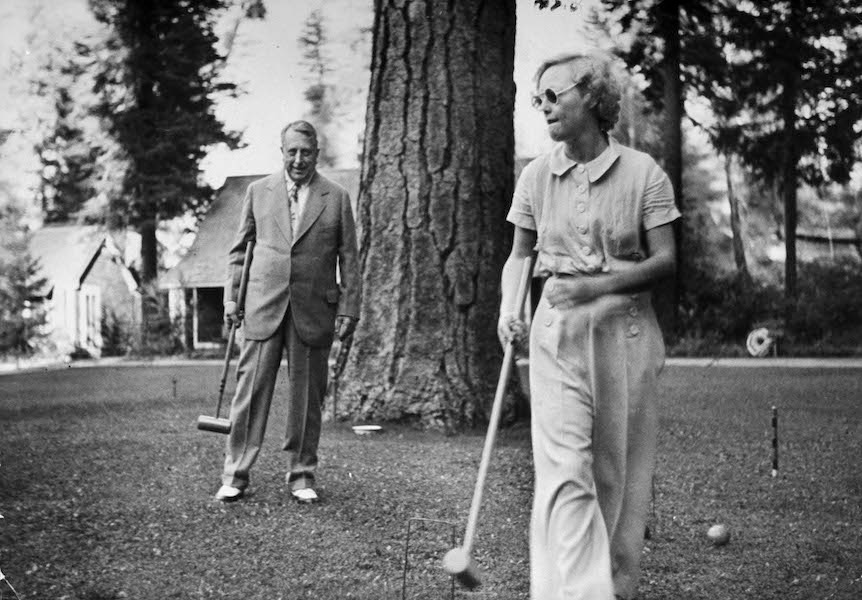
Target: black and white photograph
{"x": 430, "y": 299}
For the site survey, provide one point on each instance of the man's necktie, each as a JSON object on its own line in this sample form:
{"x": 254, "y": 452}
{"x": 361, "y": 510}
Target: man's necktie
{"x": 293, "y": 195}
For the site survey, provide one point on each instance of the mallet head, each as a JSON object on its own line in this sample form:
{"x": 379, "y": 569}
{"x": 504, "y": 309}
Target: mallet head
{"x": 459, "y": 564}
{"x": 214, "y": 424}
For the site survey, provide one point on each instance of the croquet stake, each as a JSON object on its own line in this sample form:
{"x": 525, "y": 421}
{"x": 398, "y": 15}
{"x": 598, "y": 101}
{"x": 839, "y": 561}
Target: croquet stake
{"x": 775, "y": 441}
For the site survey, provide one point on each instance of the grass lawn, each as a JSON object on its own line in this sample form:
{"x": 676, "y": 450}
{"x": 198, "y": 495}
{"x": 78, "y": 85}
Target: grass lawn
{"x": 106, "y": 492}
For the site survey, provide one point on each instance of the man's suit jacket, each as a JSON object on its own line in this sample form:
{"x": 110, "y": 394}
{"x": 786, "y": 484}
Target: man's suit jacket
{"x": 300, "y": 271}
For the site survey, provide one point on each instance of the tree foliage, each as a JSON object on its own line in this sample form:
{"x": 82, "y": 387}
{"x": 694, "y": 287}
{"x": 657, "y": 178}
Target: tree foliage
{"x": 67, "y": 150}
{"x": 647, "y": 22}
{"x": 246, "y": 9}
{"x": 791, "y": 104}
{"x": 555, "y": 4}
{"x": 320, "y": 93}
{"x": 337, "y": 62}
{"x": 810, "y": 50}
{"x": 784, "y": 80}
{"x": 21, "y": 315}
{"x": 158, "y": 76}
{"x": 46, "y": 140}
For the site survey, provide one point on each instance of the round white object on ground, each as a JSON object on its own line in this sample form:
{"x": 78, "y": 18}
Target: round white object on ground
{"x": 366, "y": 429}
{"x": 719, "y": 534}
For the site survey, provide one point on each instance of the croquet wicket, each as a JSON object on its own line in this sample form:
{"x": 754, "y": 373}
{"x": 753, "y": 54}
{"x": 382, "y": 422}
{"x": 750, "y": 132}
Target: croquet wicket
{"x": 418, "y": 520}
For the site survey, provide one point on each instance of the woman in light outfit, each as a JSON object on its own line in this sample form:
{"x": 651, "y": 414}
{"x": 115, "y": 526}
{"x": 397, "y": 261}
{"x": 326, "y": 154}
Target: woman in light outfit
{"x": 599, "y": 216}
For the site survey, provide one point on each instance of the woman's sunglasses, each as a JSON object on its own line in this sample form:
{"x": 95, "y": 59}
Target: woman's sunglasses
{"x": 550, "y": 95}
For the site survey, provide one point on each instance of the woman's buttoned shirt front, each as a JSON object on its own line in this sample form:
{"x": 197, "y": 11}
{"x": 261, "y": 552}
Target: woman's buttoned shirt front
{"x": 591, "y": 218}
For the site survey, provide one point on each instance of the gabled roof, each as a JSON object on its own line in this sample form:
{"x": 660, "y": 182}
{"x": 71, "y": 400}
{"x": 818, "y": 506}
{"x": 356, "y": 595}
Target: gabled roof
{"x": 204, "y": 263}
{"x": 206, "y": 260}
{"x": 66, "y": 253}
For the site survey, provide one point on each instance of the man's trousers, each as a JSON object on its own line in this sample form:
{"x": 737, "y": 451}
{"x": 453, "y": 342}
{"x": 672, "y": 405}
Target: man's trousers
{"x": 257, "y": 371}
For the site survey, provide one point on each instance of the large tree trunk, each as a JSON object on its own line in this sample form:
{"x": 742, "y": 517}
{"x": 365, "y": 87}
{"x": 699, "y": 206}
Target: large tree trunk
{"x": 672, "y": 91}
{"x": 149, "y": 276}
{"x": 149, "y": 251}
{"x": 437, "y": 181}
{"x": 667, "y": 294}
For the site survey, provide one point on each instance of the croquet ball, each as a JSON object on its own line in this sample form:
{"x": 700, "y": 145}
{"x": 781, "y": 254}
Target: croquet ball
{"x": 719, "y": 534}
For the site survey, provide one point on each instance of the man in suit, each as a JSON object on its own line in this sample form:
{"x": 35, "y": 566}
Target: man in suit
{"x": 302, "y": 227}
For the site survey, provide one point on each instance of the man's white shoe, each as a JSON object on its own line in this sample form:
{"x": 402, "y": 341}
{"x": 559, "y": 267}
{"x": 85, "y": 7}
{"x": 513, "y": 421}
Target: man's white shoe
{"x": 228, "y": 493}
{"x": 305, "y": 496}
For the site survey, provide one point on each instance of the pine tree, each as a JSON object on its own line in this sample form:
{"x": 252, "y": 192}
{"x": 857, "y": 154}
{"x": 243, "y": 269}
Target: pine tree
{"x": 792, "y": 102}
{"x": 784, "y": 80}
{"x": 158, "y": 78}
{"x": 67, "y": 152}
{"x": 319, "y": 94}
{"x": 21, "y": 284}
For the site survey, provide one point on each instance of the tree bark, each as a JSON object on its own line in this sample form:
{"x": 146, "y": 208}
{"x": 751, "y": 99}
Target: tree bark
{"x": 672, "y": 90}
{"x": 736, "y": 224}
{"x": 149, "y": 251}
{"x": 143, "y": 18}
{"x": 436, "y": 184}
{"x": 667, "y": 294}
{"x": 149, "y": 275}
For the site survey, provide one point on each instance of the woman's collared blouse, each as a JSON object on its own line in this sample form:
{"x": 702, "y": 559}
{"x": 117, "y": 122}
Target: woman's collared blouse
{"x": 591, "y": 218}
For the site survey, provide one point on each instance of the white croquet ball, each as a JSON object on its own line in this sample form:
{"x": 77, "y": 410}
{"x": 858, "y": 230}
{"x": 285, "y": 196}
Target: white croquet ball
{"x": 719, "y": 534}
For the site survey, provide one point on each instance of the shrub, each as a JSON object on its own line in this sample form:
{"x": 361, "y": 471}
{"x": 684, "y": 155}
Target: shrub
{"x": 724, "y": 308}
{"x": 21, "y": 315}
{"x": 717, "y": 312}
{"x": 160, "y": 335}
{"x": 828, "y": 313}
{"x": 116, "y": 337}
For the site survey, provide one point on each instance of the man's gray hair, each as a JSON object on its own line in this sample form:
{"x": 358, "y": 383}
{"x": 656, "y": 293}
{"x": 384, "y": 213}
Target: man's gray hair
{"x": 593, "y": 71}
{"x": 303, "y": 127}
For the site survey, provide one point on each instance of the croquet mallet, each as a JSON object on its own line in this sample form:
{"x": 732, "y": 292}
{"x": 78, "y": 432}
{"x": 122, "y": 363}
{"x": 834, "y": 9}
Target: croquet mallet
{"x": 218, "y": 424}
{"x": 458, "y": 562}
{"x": 336, "y": 371}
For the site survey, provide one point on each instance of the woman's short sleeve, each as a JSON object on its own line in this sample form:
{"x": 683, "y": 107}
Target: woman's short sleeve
{"x": 658, "y": 203}
{"x": 521, "y": 211}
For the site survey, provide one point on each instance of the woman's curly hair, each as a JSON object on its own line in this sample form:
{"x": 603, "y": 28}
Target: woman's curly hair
{"x": 593, "y": 71}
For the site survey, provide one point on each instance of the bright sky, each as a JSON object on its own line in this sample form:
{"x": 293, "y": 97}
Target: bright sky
{"x": 270, "y": 63}
{"x": 266, "y": 61}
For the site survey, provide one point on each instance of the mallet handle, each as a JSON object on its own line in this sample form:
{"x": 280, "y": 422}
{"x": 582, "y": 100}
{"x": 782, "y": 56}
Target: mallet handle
{"x": 243, "y": 284}
{"x": 496, "y": 409}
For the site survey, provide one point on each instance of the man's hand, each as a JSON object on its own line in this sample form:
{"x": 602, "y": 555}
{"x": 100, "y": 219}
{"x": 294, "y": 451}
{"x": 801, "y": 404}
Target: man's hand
{"x": 344, "y": 326}
{"x": 510, "y": 327}
{"x": 231, "y": 315}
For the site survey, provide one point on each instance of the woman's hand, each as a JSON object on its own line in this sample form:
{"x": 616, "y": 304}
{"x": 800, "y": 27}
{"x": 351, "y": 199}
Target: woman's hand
{"x": 510, "y": 327}
{"x": 566, "y": 292}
